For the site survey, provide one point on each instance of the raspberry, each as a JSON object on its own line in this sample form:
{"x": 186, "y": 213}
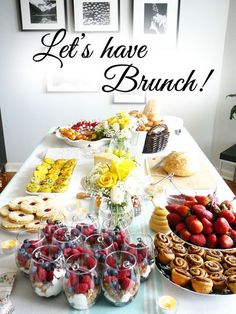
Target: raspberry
{"x": 73, "y": 279}
{"x": 125, "y": 282}
{"x": 42, "y": 274}
{"x": 90, "y": 262}
{"x": 86, "y": 279}
{"x": 81, "y": 288}
{"x": 50, "y": 275}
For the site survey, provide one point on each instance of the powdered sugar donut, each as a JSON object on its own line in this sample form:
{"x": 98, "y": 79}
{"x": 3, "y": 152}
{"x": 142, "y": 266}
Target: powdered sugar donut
{"x": 31, "y": 204}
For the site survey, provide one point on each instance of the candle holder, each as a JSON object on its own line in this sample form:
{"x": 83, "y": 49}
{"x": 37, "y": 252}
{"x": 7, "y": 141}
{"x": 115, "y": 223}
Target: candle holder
{"x": 167, "y": 305}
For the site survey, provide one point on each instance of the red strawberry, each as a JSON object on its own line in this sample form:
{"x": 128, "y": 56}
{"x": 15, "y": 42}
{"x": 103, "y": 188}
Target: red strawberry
{"x": 207, "y": 226}
{"x": 204, "y": 200}
{"x": 234, "y": 222}
{"x": 87, "y": 279}
{"x": 173, "y": 219}
{"x": 42, "y": 274}
{"x": 232, "y": 233}
{"x": 196, "y": 226}
{"x": 189, "y": 200}
{"x": 125, "y": 283}
{"x": 228, "y": 215}
{"x": 198, "y": 210}
{"x": 172, "y": 207}
{"x": 81, "y": 288}
{"x": 225, "y": 241}
{"x": 189, "y": 219}
{"x": 208, "y": 215}
{"x": 185, "y": 234}
{"x": 179, "y": 227}
{"x": 183, "y": 210}
{"x": 226, "y": 205}
{"x": 221, "y": 225}
{"x": 215, "y": 209}
{"x": 211, "y": 240}
{"x": 198, "y": 239}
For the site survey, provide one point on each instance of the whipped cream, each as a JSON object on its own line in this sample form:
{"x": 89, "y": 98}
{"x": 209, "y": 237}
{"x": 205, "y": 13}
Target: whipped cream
{"x": 78, "y": 301}
{"x": 53, "y": 288}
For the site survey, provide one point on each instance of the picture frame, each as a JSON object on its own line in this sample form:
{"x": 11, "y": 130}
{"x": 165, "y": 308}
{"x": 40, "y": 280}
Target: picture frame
{"x": 42, "y": 14}
{"x": 96, "y": 15}
{"x": 156, "y": 21}
{"x": 134, "y": 97}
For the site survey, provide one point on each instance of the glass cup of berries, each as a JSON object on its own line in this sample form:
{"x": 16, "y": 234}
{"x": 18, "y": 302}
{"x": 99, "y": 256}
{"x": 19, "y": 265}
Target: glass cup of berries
{"x": 88, "y": 226}
{"x": 81, "y": 282}
{"x": 69, "y": 239}
{"x": 27, "y": 242}
{"x": 121, "y": 279}
{"x": 141, "y": 246}
{"x": 100, "y": 245}
{"x": 117, "y": 233}
{"x": 47, "y": 270}
{"x": 50, "y": 225}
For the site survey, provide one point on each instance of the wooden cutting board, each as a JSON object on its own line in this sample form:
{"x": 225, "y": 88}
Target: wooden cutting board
{"x": 203, "y": 179}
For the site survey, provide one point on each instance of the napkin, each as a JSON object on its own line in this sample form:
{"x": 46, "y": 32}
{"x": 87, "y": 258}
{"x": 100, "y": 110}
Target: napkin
{"x": 7, "y": 278}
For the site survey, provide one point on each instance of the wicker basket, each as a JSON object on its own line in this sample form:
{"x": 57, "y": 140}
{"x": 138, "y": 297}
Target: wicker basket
{"x": 156, "y": 139}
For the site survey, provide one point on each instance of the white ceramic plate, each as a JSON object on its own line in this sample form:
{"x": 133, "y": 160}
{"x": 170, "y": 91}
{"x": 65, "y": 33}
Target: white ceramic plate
{"x": 83, "y": 143}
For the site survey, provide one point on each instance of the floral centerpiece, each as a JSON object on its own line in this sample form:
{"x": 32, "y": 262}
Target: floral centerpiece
{"x": 110, "y": 181}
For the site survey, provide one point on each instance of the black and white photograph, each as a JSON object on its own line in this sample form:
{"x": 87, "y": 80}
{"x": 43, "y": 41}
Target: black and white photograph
{"x": 96, "y": 13}
{"x": 96, "y": 16}
{"x": 155, "y": 18}
{"x": 42, "y": 14}
{"x": 43, "y": 11}
{"x": 156, "y": 21}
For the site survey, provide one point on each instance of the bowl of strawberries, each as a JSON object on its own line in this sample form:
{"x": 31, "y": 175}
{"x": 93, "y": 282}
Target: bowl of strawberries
{"x": 202, "y": 220}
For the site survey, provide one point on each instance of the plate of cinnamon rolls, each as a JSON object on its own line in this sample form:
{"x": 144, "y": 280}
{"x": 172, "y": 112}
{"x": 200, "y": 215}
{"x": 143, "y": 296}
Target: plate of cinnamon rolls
{"x": 200, "y": 270}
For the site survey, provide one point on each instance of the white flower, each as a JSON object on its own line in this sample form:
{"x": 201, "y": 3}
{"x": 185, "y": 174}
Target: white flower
{"x": 105, "y": 125}
{"x": 125, "y": 133}
{"x": 116, "y": 127}
{"x": 117, "y": 195}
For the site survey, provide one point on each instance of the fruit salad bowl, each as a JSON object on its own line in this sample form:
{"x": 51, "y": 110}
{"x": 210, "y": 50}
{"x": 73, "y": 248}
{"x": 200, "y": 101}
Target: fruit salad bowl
{"x": 202, "y": 220}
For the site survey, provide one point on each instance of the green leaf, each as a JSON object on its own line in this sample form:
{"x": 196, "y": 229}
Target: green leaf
{"x": 233, "y": 113}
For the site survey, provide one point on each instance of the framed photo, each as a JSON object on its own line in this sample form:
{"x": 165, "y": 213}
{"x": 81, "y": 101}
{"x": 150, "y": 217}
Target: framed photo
{"x": 156, "y": 21}
{"x": 42, "y": 14}
{"x": 134, "y": 97}
{"x": 96, "y": 15}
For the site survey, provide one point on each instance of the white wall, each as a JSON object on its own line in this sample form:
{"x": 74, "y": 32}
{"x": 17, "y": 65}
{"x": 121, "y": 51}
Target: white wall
{"x": 29, "y": 111}
{"x": 225, "y": 129}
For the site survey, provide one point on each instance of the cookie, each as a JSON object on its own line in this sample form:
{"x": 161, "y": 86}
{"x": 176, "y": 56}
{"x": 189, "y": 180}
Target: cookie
{"x": 4, "y": 211}
{"x": 50, "y": 209}
{"x": 16, "y": 202}
{"x": 8, "y": 225}
{"x": 20, "y": 217}
{"x": 31, "y": 204}
{"x": 33, "y": 225}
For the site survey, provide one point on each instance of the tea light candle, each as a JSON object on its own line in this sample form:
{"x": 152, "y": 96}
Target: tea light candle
{"x": 8, "y": 246}
{"x": 167, "y": 305}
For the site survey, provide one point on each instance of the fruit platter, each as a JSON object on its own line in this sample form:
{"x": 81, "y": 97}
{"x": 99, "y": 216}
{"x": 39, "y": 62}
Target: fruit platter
{"x": 193, "y": 268}
{"x": 203, "y": 220}
{"x": 82, "y": 134}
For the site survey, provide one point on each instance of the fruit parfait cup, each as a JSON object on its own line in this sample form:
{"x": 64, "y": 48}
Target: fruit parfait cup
{"x": 117, "y": 233}
{"x": 141, "y": 246}
{"x": 27, "y": 242}
{"x": 87, "y": 226}
{"x": 100, "y": 245}
{"x": 69, "y": 240}
{"x": 121, "y": 278}
{"x": 47, "y": 271}
{"x": 50, "y": 225}
{"x": 81, "y": 282}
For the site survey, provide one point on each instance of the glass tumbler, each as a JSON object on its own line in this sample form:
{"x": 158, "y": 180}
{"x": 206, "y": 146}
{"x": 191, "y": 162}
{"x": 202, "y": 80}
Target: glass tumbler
{"x": 117, "y": 233}
{"x": 69, "y": 239}
{"x": 141, "y": 246}
{"x": 27, "y": 242}
{"x": 121, "y": 278}
{"x": 81, "y": 282}
{"x": 47, "y": 270}
{"x": 87, "y": 226}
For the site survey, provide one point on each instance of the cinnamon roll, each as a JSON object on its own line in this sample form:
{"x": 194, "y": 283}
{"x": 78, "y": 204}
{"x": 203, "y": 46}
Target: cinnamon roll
{"x": 179, "y": 262}
{"x": 213, "y": 267}
{"x": 176, "y": 239}
{"x": 198, "y": 271}
{"x": 231, "y": 283}
{"x": 161, "y": 240}
{"x": 218, "y": 281}
{"x": 179, "y": 250}
{"x": 230, "y": 271}
{"x": 229, "y": 261}
{"x": 165, "y": 255}
{"x": 180, "y": 276}
{"x": 230, "y": 252}
{"x": 202, "y": 284}
{"x": 215, "y": 256}
{"x": 193, "y": 249}
{"x": 194, "y": 260}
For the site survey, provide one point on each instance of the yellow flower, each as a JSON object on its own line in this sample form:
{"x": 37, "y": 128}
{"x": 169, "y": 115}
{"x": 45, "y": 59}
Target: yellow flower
{"x": 107, "y": 180}
{"x": 122, "y": 168}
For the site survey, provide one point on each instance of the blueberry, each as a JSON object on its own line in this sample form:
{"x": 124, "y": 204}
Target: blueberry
{"x": 70, "y": 290}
